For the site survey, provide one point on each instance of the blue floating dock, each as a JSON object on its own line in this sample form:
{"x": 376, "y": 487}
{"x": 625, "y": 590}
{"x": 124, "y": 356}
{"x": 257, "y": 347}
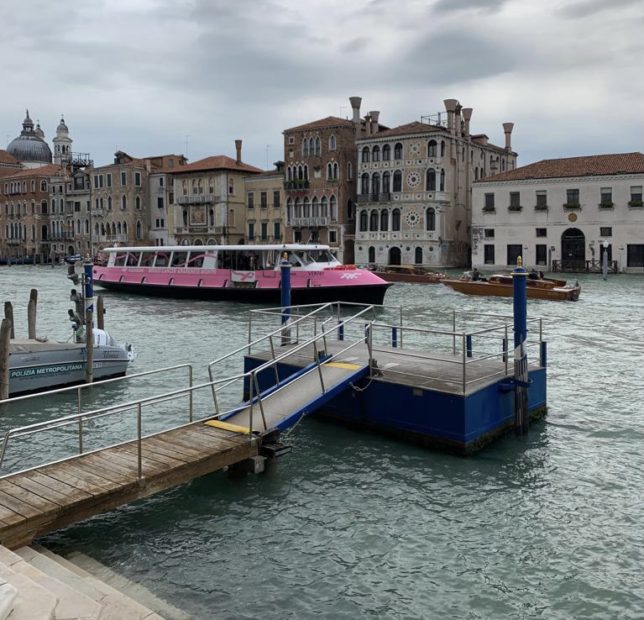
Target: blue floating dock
{"x": 454, "y": 393}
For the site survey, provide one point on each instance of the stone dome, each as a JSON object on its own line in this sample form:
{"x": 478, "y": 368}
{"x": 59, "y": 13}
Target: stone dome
{"x": 29, "y": 147}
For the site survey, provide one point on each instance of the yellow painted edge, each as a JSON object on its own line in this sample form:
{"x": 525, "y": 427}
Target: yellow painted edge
{"x": 344, "y": 365}
{"x": 235, "y": 428}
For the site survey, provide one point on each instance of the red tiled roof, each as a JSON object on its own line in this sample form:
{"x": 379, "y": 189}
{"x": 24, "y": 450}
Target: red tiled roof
{"x": 215, "y": 162}
{"x": 590, "y": 165}
{"x": 323, "y": 123}
{"x": 409, "y": 128}
{"x": 49, "y": 170}
{"x": 8, "y": 158}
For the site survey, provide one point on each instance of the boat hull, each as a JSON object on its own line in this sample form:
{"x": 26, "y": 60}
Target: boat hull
{"x": 36, "y": 366}
{"x": 492, "y": 289}
{"x": 364, "y": 293}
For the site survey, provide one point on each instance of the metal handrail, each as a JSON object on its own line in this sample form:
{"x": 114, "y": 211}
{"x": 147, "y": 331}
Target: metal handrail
{"x": 100, "y": 383}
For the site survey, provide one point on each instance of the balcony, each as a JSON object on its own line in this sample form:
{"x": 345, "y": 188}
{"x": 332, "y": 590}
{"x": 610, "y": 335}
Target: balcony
{"x": 375, "y": 197}
{"x": 308, "y": 222}
{"x": 298, "y": 184}
{"x": 197, "y": 199}
{"x": 515, "y": 208}
{"x": 571, "y": 205}
{"x": 635, "y": 203}
{"x": 606, "y": 205}
{"x": 540, "y": 207}
{"x": 488, "y": 209}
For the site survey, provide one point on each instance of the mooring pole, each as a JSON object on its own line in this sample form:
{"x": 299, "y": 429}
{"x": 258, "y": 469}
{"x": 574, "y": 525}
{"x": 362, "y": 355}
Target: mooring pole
{"x": 519, "y": 279}
{"x": 88, "y": 285}
{"x": 285, "y": 269}
{"x": 31, "y": 313}
{"x": 5, "y": 352}
{"x": 8, "y": 314}
{"x": 100, "y": 312}
{"x": 605, "y": 260}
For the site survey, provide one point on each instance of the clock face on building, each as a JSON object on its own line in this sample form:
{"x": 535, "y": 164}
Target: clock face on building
{"x": 412, "y": 218}
{"x": 413, "y": 179}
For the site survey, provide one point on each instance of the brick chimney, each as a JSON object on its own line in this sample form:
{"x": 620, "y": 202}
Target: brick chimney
{"x": 507, "y": 129}
{"x": 375, "y": 128}
{"x": 355, "y": 106}
{"x": 238, "y": 145}
{"x": 467, "y": 115}
{"x": 450, "y": 106}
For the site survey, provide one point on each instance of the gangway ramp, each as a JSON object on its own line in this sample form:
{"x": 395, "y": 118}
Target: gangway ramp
{"x": 280, "y": 408}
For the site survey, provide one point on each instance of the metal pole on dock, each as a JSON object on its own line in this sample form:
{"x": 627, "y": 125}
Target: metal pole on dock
{"x": 5, "y": 351}
{"x": 31, "y": 314}
{"x": 285, "y": 269}
{"x": 88, "y": 285}
{"x": 520, "y": 302}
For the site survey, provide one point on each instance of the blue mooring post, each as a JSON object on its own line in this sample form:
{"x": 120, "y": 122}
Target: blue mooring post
{"x": 520, "y": 276}
{"x": 468, "y": 345}
{"x": 285, "y": 270}
{"x": 88, "y": 285}
{"x": 394, "y": 337}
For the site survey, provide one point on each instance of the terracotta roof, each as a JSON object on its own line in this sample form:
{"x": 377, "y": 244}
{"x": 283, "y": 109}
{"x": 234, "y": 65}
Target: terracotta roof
{"x": 49, "y": 170}
{"x": 591, "y": 165}
{"x": 329, "y": 121}
{"x": 409, "y": 128}
{"x": 215, "y": 162}
{"x": 8, "y": 158}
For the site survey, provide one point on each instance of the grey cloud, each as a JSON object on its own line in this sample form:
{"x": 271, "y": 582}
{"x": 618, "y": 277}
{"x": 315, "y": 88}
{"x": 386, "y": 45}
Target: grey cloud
{"x": 452, "y": 6}
{"x": 591, "y": 7}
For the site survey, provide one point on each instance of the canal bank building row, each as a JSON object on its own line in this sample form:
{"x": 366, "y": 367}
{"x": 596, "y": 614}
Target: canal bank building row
{"x": 417, "y": 193}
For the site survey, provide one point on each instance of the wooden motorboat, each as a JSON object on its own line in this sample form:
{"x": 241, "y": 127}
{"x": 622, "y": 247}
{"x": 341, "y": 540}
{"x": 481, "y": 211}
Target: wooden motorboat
{"x": 500, "y": 285}
{"x": 408, "y": 273}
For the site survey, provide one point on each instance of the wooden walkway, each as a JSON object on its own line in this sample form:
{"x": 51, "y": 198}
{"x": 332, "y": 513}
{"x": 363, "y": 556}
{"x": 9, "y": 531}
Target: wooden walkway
{"x": 48, "y": 498}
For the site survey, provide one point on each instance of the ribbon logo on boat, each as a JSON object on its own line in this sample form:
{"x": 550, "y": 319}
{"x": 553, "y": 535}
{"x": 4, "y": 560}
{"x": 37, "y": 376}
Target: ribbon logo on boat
{"x": 349, "y": 275}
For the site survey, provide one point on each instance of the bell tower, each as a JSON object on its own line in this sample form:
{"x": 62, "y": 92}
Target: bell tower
{"x": 62, "y": 143}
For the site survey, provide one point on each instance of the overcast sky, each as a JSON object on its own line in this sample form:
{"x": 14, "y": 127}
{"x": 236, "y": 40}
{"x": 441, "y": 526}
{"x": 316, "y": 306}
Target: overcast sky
{"x": 190, "y": 76}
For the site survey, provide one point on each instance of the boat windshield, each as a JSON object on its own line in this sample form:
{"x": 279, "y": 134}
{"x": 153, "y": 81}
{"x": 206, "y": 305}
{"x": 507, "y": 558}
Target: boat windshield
{"x": 307, "y": 257}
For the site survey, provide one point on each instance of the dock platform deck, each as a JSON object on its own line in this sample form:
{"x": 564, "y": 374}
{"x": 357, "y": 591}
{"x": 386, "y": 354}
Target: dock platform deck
{"x": 38, "y": 501}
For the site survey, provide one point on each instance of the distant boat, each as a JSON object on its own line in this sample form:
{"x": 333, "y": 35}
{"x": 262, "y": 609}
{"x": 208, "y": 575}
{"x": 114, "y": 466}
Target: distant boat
{"x": 500, "y": 285}
{"x": 248, "y": 273}
{"x": 414, "y": 274}
{"x": 72, "y": 259}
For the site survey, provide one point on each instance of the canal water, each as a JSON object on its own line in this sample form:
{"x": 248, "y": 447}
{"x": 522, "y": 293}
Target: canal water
{"x": 351, "y": 525}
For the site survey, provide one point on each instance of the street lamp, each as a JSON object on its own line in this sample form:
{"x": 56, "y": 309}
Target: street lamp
{"x": 605, "y": 245}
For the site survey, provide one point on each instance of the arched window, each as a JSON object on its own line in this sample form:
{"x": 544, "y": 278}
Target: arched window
{"x": 125, "y": 228}
{"x": 118, "y": 228}
{"x": 329, "y": 171}
{"x": 430, "y": 180}
{"x": 211, "y": 218}
{"x": 375, "y": 184}
{"x": 373, "y": 221}
{"x": 386, "y": 182}
{"x": 375, "y": 154}
{"x": 137, "y": 202}
{"x": 397, "y": 181}
{"x": 365, "y": 154}
{"x": 306, "y": 172}
{"x": 325, "y": 207}
{"x": 185, "y": 217}
{"x": 78, "y": 226}
{"x": 87, "y": 227}
{"x": 305, "y": 147}
{"x": 363, "y": 220}
{"x": 333, "y": 203}
{"x": 307, "y": 207}
{"x": 364, "y": 183}
{"x": 43, "y": 186}
{"x": 386, "y": 152}
{"x": 476, "y": 173}
{"x": 298, "y": 208}
{"x": 442, "y": 148}
{"x": 289, "y": 210}
{"x": 336, "y": 171}
{"x": 123, "y": 202}
{"x": 398, "y": 151}
{"x": 318, "y": 146}
{"x": 139, "y": 230}
{"x": 311, "y": 146}
{"x": 315, "y": 207}
{"x": 371, "y": 254}
{"x": 395, "y": 219}
{"x": 384, "y": 219}
{"x": 430, "y": 219}
{"x": 442, "y": 187}
{"x": 419, "y": 256}
{"x": 109, "y": 203}
{"x": 332, "y": 143}
{"x": 349, "y": 170}
{"x": 431, "y": 148}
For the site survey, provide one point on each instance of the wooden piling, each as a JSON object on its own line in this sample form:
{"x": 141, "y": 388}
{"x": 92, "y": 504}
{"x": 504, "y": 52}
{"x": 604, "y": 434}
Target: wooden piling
{"x": 31, "y": 314}
{"x": 100, "y": 312}
{"x": 5, "y": 351}
{"x": 8, "y": 314}
{"x": 89, "y": 342}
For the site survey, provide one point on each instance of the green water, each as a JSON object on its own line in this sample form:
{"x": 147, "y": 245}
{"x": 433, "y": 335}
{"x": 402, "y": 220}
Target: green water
{"x": 351, "y": 525}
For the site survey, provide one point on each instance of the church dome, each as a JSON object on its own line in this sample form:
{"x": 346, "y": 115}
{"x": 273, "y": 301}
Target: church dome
{"x": 61, "y": 126}
{"x": 29, "y": 147}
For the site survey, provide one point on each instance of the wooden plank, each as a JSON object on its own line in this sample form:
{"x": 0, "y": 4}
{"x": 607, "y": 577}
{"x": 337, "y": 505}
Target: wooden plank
{"x": 9, "y": 517}
{"x": 190, "y": 451}
{"x": 131, "y": 459}
{"x": 40, "y": 490}
{"x": 208, "y": 437}
{"x": 18, "y": 506}
{"x": 54, "y": 488}
{"x": 233, "y": 437}
{"x": 113, "y": 467}
{"x": 159, "y": 447}
{"x": 72, "y": 473}
{"x": 154, "y": 453}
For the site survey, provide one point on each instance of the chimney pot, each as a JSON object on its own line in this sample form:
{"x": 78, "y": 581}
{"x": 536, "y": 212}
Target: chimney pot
{"x": 238, "y": 147}
{"x": 507, "y": 129}
{"x": 355, "y": 106}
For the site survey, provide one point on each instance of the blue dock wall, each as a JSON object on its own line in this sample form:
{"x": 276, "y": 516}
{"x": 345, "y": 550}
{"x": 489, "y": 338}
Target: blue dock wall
{"x": 430, "y": 417}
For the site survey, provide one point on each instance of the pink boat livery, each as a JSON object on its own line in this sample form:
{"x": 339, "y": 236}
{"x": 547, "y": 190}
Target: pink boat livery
{"x": 247, "y": 273}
